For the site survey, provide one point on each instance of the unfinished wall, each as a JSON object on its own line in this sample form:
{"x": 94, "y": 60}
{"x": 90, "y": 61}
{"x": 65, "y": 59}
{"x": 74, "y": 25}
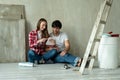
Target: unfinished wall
{"x": 77, "y": 16}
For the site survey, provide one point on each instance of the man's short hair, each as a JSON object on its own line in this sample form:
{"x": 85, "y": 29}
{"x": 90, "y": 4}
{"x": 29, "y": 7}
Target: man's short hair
{"x": 57, "y": 23}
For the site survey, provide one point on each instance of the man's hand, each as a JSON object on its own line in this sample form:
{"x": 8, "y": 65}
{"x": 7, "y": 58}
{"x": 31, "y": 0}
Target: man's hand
{"x": 63, "y": 53}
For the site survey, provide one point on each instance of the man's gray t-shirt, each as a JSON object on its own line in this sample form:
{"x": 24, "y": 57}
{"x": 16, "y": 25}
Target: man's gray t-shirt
{"x": 60, "y": 40}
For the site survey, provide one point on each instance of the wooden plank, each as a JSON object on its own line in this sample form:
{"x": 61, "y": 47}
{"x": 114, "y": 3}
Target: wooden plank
{"x": 95, "y": 50}
{"x": 12, "y": 38}
{"x": 12, "y": 33}
{"x": 11, "y": 11}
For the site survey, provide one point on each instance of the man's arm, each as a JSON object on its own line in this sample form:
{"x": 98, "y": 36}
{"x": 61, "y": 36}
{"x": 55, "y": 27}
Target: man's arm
{"x": 67, "y": 47}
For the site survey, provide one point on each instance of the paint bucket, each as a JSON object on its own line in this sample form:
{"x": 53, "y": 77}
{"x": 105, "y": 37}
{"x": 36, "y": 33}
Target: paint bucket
{"x": 108, "y": 52}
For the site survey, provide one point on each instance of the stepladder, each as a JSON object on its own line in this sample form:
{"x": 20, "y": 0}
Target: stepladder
{"x": 95, "y": 37}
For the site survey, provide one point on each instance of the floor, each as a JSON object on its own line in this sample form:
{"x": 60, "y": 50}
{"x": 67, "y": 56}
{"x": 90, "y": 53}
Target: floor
{"x": 11, "y": 71}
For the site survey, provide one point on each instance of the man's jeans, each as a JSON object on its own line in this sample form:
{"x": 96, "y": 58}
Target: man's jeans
{"x": 32, "y": 56}
{"x": 69, "y": 58}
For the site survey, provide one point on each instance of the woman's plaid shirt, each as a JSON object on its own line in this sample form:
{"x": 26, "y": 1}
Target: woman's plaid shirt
{"x": 39, "y": 48}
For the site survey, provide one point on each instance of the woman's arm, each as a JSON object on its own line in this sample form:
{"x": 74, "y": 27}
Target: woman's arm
{"x": 32, "y": 39}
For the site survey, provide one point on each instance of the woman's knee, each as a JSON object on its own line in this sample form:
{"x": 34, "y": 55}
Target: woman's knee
{"x": 30, "y": 53}
{"x": 53, "y": 52}
{"x": 30, "y": 56}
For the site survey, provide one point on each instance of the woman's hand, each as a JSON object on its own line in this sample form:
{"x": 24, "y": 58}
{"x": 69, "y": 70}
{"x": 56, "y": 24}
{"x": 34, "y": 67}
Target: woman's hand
{"x": 41, "y": 40}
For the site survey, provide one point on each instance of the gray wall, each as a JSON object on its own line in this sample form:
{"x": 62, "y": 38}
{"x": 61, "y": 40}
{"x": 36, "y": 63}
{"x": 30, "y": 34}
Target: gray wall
{"x": 77, "y": 16}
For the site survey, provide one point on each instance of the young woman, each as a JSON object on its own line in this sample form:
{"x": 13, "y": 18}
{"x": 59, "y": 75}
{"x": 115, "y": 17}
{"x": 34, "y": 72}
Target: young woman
{"x": 37, "y": 43}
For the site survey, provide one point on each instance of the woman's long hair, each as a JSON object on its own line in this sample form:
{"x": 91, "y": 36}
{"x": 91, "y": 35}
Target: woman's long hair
{"x": 45, "y": 33}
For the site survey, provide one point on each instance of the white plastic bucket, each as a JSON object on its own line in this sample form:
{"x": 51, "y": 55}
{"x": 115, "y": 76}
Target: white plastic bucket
{"x": 108, "y": 52}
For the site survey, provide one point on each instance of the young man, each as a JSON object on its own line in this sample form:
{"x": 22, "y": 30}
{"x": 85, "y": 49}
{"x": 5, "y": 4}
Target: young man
{"x": 62, "y": 42}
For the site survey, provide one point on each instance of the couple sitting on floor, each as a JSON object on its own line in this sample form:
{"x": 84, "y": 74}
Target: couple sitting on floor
{"x": 53, "y": 46}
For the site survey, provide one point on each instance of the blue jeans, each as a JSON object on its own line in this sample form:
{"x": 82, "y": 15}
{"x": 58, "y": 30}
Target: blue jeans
{"x": 68, "y": 58}
{"x": 32, "y": 56}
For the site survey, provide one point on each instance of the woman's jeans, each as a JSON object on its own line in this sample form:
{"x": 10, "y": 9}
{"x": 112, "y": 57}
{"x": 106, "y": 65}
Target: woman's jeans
{"x": 69, "y": 58}
{"x": 32, "y": 56}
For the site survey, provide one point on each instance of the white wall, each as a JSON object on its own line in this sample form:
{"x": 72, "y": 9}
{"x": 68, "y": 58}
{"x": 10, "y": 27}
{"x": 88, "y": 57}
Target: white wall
{"x": 77, "y": 16}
